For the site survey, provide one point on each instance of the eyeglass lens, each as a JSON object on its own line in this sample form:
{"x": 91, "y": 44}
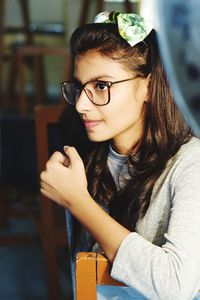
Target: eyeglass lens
{"x": 97, "y": 92}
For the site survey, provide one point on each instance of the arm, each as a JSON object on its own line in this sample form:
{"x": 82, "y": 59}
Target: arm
{"x": 68, "y": 187}
{"x": 171, "y": 271}
{"x": 168, "y": 272}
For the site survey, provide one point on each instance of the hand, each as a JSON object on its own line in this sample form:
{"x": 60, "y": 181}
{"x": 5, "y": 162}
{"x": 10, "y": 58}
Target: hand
{"x": 64, "y": 179}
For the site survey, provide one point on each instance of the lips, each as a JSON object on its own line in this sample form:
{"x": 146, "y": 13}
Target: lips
{"x": 89, "y": 124}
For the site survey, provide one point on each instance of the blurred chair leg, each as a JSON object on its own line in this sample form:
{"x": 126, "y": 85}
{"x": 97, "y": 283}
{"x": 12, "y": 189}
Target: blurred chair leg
{"x": 53, "y": 227}
{"x": 51, "y": 263}
{"x": 99, "y": 6}
{"x": 4, "y": 206}
{"x": 40, "y": 79}
{"x": 132, "y": 7}
{"x": 10, "y": 87}
{"x": 84, "y": 12}
{"x": 26, "y": 18}
{"x": 23, "y": 106}
{"x": 39, "y": 74}
{"x": 128, "y": 6}
{"x": 49, "y": 240}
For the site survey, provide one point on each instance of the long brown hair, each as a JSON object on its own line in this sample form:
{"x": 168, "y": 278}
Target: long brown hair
{"x": 164, "y": 130}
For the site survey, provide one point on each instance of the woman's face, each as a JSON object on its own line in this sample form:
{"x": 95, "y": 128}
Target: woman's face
{"x": 121, "y": 120}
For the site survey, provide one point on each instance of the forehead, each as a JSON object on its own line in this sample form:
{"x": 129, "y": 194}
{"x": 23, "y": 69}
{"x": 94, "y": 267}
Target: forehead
{"x": 93, "y": 64}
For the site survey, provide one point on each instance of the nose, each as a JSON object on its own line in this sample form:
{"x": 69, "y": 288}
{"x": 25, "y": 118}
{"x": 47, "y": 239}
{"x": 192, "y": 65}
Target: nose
{"x": 83, "y": 104}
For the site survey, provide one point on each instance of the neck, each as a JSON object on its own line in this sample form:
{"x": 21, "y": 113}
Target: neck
{"x": 125, "y": 149}
{"x": 128, "y": 141}
{"x": 120, "y": 149}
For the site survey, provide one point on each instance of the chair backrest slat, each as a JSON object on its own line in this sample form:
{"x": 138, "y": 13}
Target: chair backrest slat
{"x": 92, "y": 269}
{"x": 86, "y": 276}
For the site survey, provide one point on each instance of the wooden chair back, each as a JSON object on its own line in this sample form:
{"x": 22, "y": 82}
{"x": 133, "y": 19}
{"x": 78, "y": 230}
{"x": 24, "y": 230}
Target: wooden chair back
{"x": 53, "y": 230}
{"x": 4, "y": 29}
{"x": 92, "y": 269}
{"x": 36, "y": 55}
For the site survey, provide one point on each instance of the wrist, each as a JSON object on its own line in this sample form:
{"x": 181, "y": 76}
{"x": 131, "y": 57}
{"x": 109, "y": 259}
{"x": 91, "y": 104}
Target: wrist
{"x": 79, "y": 198}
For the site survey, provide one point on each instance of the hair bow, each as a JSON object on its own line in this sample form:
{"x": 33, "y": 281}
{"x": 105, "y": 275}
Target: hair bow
{"x": 132, "y": 28}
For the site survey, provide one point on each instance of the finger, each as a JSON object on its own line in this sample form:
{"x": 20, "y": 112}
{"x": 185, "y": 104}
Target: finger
{"x": 57, "y": 157}
{"x": 42, "y": 176}
{"x": 44, "y": 193}
{"x": 72, "y": 154}
{"x": 45, "y": 189}
{"x": 43, "y": 182}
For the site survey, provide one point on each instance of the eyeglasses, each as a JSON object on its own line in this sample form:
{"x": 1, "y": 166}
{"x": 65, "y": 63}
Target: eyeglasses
{"x": 97, "y": 91}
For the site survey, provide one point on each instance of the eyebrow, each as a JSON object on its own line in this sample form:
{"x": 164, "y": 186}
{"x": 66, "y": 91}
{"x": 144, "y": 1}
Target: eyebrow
{"x": 98, "y": 78}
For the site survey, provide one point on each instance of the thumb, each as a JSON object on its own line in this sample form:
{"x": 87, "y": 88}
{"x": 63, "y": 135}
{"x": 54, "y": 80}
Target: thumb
{"x": 72, "y": 155}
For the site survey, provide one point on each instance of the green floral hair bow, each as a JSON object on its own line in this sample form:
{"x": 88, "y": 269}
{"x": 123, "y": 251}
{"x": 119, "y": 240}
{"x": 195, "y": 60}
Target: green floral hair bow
{"x": 132, "y": 28}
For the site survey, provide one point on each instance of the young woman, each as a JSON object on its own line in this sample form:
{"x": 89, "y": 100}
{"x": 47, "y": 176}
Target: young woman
{"x": 136, "y": 196}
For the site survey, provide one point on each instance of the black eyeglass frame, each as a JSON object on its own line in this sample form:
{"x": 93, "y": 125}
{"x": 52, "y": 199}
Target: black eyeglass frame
{"x": 82, "y": 88}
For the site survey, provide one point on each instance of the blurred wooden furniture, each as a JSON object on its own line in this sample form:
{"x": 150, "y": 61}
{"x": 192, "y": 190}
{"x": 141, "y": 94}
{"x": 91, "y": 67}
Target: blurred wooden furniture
{"x": 86, "y": 4}
{"x": 36, "y": 54}
{"x": 92, "y": 269}
{"x": 53, "y": 233}
{"x": 29, "y": 54}
{"x": 18, "y": 171}
{"x": 6, "y": 192}
{"x": 24, "y": 7}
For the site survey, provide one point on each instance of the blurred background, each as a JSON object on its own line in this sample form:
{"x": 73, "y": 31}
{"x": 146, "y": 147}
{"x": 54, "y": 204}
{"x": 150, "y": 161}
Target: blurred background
{"x": 34, "y": 59}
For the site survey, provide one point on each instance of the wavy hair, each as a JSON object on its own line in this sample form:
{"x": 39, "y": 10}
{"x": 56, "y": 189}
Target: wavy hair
{"x": 164, "y": 130}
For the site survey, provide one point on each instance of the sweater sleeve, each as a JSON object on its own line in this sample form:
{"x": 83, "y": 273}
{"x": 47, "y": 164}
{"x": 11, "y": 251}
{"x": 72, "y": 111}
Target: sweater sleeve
{"x": 171, "y": 271}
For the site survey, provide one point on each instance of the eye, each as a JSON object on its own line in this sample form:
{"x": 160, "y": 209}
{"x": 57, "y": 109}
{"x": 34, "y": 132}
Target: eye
{"x": 101, "y": 86}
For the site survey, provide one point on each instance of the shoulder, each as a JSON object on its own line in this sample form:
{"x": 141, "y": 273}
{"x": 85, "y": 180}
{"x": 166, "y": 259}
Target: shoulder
{"x": 190, "y": 148}
{"x": 188, "y": 154}
{"x": 183, "y": 166}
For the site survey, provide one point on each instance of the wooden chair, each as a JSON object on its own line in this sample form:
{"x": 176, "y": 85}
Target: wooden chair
{"x": 48, "y": 218}
{"x": 36, "y": 54}
{"x": 24, "y": 7}
{"x": 53, "y": 230}
{"x": 92, "y": 269}
{"x": 29, "y": 55}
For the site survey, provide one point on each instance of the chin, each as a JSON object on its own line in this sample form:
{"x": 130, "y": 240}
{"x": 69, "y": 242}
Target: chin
{"x": 93, "y": 138}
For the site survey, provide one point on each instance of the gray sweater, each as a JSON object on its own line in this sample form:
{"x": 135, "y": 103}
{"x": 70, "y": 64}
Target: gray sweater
{"x": 161, "y": 260}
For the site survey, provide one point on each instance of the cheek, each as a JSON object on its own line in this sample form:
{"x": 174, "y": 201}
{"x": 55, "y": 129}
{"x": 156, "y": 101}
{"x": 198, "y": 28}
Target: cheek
{"x": 127, "y": 107}
{"x": 125, "y": 114}
{"x": 120, "y": 116}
